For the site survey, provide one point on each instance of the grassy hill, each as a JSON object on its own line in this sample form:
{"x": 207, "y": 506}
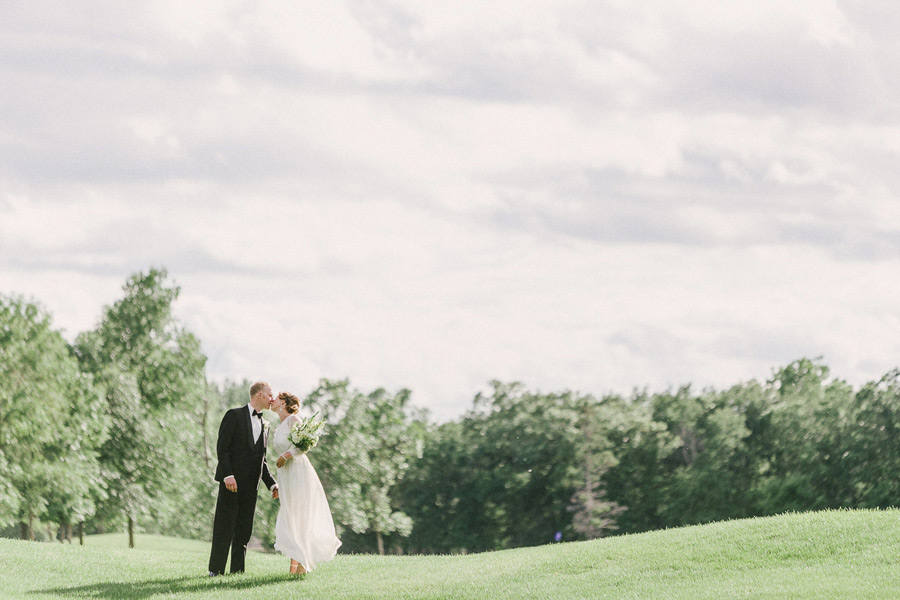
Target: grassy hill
{"x": 146, "y": 542}
{"x": 833, "y": 554}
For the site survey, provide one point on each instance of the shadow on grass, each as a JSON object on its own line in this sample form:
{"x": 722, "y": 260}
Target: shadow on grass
{"x": 183, "y": 585}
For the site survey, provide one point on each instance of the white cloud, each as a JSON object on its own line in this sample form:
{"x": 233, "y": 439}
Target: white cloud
{"x": 425, "y": 195}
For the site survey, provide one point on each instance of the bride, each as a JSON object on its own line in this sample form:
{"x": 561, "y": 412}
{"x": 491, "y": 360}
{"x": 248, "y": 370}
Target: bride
{"x": 304, "y": 530}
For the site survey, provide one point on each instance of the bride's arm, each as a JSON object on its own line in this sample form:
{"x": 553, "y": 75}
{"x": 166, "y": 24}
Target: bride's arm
{"x": 287, "y": 454}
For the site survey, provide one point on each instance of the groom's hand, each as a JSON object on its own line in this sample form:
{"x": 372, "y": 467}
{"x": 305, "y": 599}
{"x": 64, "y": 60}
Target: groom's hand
{"x": 231, "y": 483}
{"x": 275, "y": 491}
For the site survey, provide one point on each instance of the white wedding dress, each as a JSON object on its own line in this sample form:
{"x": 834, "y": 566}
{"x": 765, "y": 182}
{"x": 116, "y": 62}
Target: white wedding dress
{"x": 304, "y": 530}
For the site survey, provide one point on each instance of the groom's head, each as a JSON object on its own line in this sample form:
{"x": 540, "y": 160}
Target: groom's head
{"x": 261, "y": 395}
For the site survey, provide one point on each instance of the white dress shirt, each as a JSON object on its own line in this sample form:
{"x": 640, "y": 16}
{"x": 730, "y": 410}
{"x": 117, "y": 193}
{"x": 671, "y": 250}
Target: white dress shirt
{"x": 256, "y": 422}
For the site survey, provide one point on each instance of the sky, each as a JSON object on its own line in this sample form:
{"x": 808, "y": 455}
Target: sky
{"x": 587, "y": 196}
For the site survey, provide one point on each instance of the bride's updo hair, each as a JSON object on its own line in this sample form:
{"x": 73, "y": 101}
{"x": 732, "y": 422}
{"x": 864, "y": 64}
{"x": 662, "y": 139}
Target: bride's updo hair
{"x": 291, "y": 402}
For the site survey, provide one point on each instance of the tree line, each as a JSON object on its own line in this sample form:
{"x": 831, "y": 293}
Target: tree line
{"x": 115, "y": 431}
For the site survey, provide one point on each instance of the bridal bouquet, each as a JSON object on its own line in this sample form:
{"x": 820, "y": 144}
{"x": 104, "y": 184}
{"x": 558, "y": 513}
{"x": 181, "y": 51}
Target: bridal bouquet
{"x": 305, "y": 433}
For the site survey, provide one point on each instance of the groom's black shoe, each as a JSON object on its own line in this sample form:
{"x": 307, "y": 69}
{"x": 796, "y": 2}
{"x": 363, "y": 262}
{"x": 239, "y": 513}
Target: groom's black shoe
{"x": 211, "y": 574}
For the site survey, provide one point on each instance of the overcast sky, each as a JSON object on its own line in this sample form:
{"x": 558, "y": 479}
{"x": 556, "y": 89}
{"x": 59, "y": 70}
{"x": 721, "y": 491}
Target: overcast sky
{"x": 593, "y": 196}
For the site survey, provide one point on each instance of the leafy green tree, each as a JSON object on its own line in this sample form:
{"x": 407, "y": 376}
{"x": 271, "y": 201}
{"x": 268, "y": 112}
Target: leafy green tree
{"x": 435, "y": 491}
{"x": 370, "y": 442}
{"x": 51, "y": 423}
{"x": 129, "y": 458}
{"x": 642, "y": 447}
{"x": 709, "y": 480}
{"x": 802, "y": 422}
{"x": 503, "y": 477}
{"x": 152, "y": 373}
{"x": 865, "y": 457}
{"x": 532, "y": 446}
{"x": 594, "y": 514}
{"x": 9, "y": 497}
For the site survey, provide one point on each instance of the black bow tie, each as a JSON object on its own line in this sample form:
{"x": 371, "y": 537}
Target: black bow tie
{"x": 256, "y": 413}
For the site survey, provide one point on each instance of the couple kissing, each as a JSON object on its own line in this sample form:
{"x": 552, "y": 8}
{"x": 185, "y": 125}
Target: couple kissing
{"x": 304, "y": 529}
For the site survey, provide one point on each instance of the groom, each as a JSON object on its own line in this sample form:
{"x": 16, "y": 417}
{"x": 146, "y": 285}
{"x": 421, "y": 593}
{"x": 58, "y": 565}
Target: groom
{"x": 242, "y": 463}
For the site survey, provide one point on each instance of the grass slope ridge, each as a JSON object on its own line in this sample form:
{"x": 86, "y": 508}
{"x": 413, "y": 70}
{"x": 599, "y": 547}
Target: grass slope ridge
{"x": 146, "y": 542}
{"x": 831, "y": 554}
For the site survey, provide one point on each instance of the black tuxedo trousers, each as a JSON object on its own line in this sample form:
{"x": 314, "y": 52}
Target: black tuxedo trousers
{"x": 232, "y": 528}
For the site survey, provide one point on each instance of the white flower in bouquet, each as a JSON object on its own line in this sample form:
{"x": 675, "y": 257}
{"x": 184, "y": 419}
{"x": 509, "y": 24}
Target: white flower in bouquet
{"x": 305, "y": 433}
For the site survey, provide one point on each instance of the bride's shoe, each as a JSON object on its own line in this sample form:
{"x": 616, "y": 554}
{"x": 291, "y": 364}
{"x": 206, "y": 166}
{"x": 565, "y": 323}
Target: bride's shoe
{"x": 297, "y": 568}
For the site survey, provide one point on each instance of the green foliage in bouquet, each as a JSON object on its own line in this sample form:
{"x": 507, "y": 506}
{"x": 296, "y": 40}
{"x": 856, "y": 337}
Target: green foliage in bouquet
{"x": 305, "y": 433}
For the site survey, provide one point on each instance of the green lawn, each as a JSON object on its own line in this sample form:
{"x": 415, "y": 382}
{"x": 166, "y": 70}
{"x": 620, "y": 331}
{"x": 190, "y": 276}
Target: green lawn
{"x": 834, "y": 554}
{"x": 145, "y": 542}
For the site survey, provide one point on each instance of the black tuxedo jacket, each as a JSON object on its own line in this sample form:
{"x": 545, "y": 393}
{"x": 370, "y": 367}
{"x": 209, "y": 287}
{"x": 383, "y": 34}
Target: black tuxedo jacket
{"x": 238, "y": 452}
